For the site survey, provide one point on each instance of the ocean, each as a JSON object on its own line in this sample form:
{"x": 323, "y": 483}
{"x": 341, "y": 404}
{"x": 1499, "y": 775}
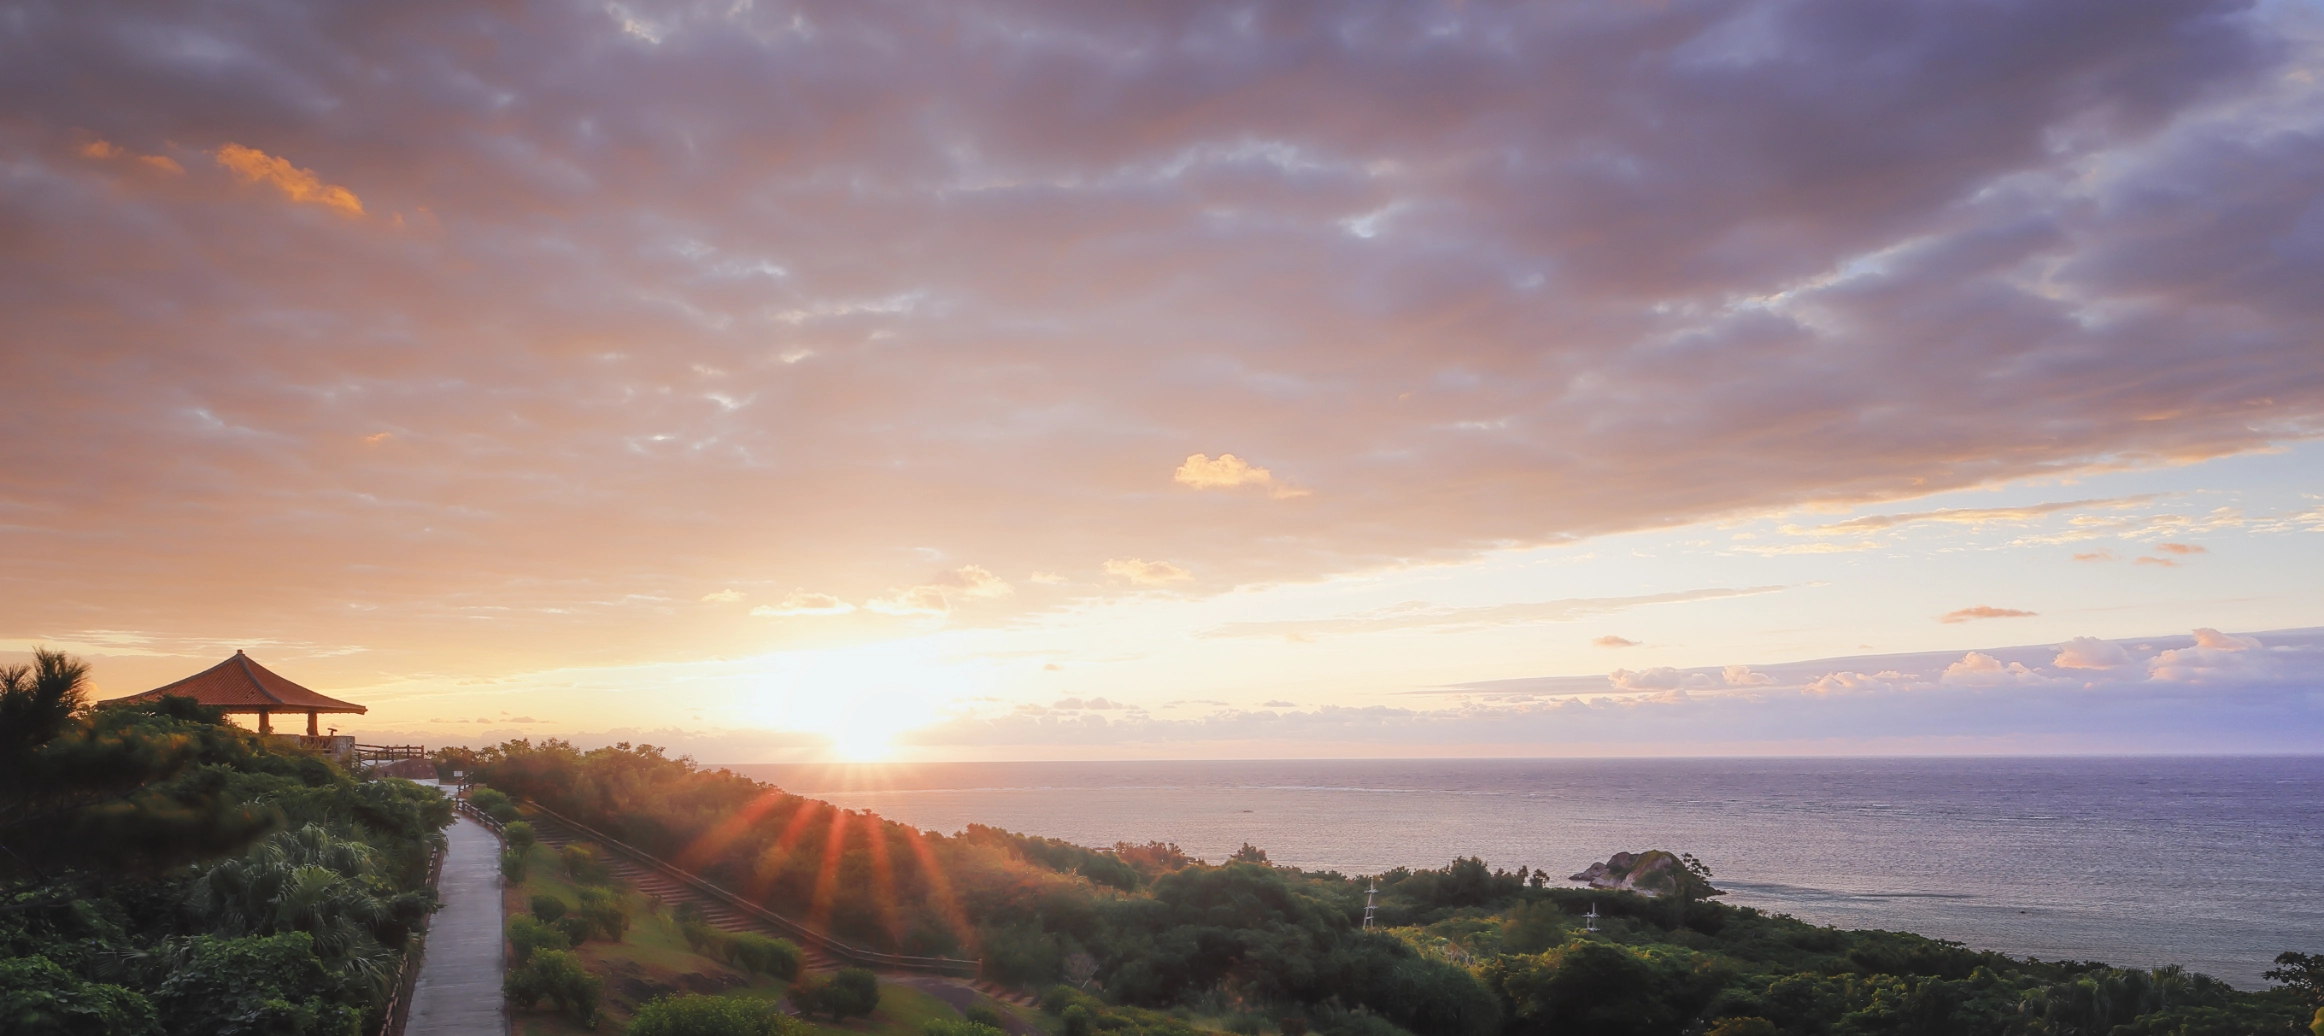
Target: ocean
{"x": 2213, "y": 863}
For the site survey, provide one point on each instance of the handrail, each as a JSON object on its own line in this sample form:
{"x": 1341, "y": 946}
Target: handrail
{"x": 397, "y": 1012}
{"x": 468, "y": 809}
{"x": 821, "y": 941}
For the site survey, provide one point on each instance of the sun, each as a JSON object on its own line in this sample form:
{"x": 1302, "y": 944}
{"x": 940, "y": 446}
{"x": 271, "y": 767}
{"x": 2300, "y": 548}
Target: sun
{"x": 862, "y": 745}
{"x": 860, "y": 699}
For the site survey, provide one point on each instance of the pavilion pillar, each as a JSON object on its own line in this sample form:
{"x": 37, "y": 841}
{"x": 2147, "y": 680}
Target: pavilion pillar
{"x": 265, "y": 722}
{"x": 311, "y": 731}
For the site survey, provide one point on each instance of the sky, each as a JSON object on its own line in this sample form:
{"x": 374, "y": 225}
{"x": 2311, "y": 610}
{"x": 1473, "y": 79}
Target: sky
{"x": 993, "y": 379}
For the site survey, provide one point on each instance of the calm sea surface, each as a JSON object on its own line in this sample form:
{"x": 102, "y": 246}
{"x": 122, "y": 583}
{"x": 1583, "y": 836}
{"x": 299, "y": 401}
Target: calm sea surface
{"x": 2217, "y": 864}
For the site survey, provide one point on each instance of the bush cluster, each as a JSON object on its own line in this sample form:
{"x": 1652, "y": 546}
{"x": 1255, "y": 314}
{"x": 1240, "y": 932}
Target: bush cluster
{"x": 1144, "y": 938}
{"x": 850, "y": 993}
{"x": 170, "y": 874}
{"x": 714, "y": 1016}
{"x": 560, "y": 978}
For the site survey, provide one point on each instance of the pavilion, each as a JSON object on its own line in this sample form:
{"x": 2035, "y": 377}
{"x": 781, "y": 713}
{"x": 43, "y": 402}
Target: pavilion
{"x": 241, "y": 686}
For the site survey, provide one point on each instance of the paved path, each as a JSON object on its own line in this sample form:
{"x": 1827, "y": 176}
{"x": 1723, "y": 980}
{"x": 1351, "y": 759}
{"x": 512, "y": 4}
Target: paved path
{"x": 459, "y": 988}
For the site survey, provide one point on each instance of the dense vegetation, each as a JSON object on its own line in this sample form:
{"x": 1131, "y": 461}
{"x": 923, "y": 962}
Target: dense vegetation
{"x": 1141, "y": 939}
{"x": 164, "y": 872}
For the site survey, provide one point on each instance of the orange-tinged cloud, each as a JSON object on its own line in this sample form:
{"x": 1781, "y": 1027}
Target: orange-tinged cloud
{"x": 1229, "y": 472}
{"x": 1146, "y": 573}
{"x": 301, "y": 186}
{"x": 104, "y": 150}
{"x": 800, "y": 602}
{"x": 1984, "y": 611}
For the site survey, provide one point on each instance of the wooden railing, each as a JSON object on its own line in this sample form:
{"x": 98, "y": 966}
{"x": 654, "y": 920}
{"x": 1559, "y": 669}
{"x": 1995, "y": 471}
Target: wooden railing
{"x": 829, "y": 946}
{"x": 468, "y": 809}
{"x": 390, "y": 753}
{"x": 407, "y": 974}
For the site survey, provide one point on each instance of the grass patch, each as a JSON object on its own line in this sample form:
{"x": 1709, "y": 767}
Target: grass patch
{"x": 653, "y": 960}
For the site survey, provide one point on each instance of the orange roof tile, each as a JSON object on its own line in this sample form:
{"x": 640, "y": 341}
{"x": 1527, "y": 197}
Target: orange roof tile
{"x": 241, "y": 685}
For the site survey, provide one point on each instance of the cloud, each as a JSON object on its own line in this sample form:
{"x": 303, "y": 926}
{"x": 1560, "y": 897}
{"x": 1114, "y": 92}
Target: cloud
{"x": 1974, "y": 516}
{"x": 1611, "y": 641}
{"x": 1851, "y": 682}
{"x": 728, "y": 595}
{"x": 1984, "y": 612}
{"x": 1784, "y": 266}
{"x": 1230, "y": 471}
{"x": 2181, "y": 548}
{"x": 974, "y": 581}
{"x": 301, "y": 186}
{"x": 1146, "y": 573}
{"x": 2215, "y": 657}
{"x": 2090, "y": 653}
{"x": 2096, "y": 555}
{"x": 1092, "y": 704}
{"x": 1279, "y": 705}
{"x": 1422, "y": 616}
{"x": 941, "y": 595}
{"x": 106, "y": 151}
{"x": 799, "y": 602}
{"x": 1045, "y": 578}
{"x": 1658, "y": 678}
{"x": 1982, "y": 670}
{"x": 1742, "y": 676}
{"x": 2213, "y": 640}
{"x": 2158, "y": 562}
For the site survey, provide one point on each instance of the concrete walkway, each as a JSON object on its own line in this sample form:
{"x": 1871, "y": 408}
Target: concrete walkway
{"x": 459, "y": 989}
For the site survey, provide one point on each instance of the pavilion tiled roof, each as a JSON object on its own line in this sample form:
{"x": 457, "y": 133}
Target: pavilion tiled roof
{"x": 239, "y": 684}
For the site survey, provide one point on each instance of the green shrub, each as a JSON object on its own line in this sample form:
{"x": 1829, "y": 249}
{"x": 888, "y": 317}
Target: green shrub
{"x": 494, "y": 804}
{"x": 271, "y": 984}
{"x": 1533, "y": 927}
{"x": 527, "y": 934}
{"x": 520, "y": 837}
{"x": 760, "y": 955}
{"x": 606, "y": 911}
{"x": 548, "y": 908}
{"x": 703, "y": 939}
{"x": 948, "y": 1027}
{"x": 576, "y": 928}
{"x": 1744, "y": 1027}
{"x": 985, "y": 1016}
{"x": 1076, "y": 1020}
{"x": 36, "y": 996}
{"x": 558, "y": 977}
{"x": 852, "y": 993}
{"x": 714, "y": 1016}
{"x": 512, "y": 867}
{"x": 584, "y": 867}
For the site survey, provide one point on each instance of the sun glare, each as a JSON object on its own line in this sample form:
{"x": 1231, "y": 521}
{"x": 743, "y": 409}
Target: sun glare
{"x": 862, "y": 746}
{"x": 861, "y": 700}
